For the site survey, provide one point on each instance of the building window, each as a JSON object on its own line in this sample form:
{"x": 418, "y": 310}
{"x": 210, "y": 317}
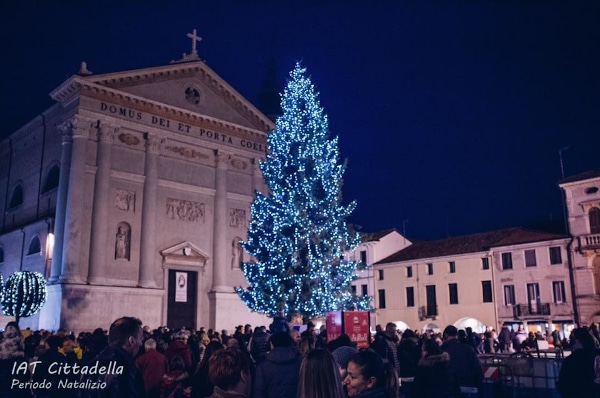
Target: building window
{"x": 381, "y": 295}
{"x": 409, "y": 271}
{"x": 594, "y": 216}
{"x": 17, "y": 197}
{"x": 431, "y": 301}
{"x": 353, "y": 290}
{"x": 530, "y": 258}
{"x": 429, "y": 268}
{"x": 363, "y": 257}
{"x": 509, "y": 295}
{"x": 34, "y": 246}
{"x": 1, "y": 255}
{"x": 507, "y": 260}
{"x": 364, "y": 290}
{"x": 380, "y": 274}
{"x": 410, "y": 296}
{"x": 51, "y": 179}
{"x": 486, "y": 287}
{"x": 453, "y": 290}
{"x": 555, "y": 255}
{"x": 452, "y": 267}
{"x": 558, "y": 289}
{"x": 485, "y": 263}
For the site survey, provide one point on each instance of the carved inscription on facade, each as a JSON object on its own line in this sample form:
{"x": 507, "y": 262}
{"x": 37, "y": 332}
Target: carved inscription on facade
{"x": 188, "y": 153}
{"x": 238, "y": 218}
{"x": 125, "y": 200}
{"x": 185, "y": 210}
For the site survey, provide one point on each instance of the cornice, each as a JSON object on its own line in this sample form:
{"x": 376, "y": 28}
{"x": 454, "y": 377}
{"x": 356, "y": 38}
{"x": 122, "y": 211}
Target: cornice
{"x": 186, "y": 69}
{"x": 82, "y": 86}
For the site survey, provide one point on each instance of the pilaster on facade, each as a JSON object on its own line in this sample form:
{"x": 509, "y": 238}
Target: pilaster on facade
{"x": 220, "y": 223}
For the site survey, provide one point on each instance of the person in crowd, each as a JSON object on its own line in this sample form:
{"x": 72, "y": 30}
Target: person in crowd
{"x": 180, "y": 348}
{"x": 124, "y": 341}
{"x": 530, "y": 343}
{"x": 202, "y": 384}
{"x": 519, "y": 337}
{"x": 489, "y": 346}
{"x": 505, "y": 340}
{"x": 369, "y": 377}
{"x": 343, "y": 340}
{"x": 580, "y": 372}
{"x": 387, "y": 346}
{"x": 12, "y": 353}
{"x": 432, "y": 378}
{"x": 52, "y": 355}
{"x": 342, "y": 356}
{"x": 409, "y": 354}
{"x": 473, "y": 339}
{"x": 319, "y": 376}
{"x": 309, "y": 334}
{"x": 153, "y": 365}
{"x": 306, "y": 345}
{"x": 176, "y": 379}
{"x": 465, "y": 368}
{"x": 224, "y": 336}
{"x": 230, "y": 374}
{"x": 259, "y": 344}
{"x": 247, "y": 334}
{"x": 277, "y": 375}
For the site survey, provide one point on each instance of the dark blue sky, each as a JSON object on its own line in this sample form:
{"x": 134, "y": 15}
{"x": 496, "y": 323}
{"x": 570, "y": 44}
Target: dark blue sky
{"x": 451, "y": 116}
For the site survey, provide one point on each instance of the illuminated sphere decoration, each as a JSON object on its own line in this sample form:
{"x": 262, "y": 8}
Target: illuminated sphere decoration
{"x": 298, "y": 232}
{"x": 23, "y": 294}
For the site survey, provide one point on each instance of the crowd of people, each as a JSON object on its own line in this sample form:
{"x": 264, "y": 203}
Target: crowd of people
{"x": 129, "y": 360}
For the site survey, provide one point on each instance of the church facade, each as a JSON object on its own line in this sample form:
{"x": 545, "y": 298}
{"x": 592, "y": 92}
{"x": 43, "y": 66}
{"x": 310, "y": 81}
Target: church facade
{"x": 131, "y": 195}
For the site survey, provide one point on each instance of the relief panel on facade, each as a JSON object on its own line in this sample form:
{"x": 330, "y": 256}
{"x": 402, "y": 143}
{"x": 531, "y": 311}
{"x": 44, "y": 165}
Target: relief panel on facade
{"x": 187, "y": 152}
{"x": 125, "y": 200}
{"x": 238, "y": 218}
{"x": 185, "y": 210}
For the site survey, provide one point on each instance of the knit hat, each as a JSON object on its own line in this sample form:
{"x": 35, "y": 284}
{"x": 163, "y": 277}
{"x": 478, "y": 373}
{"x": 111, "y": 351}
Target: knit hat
{"x": 343, "y": 355}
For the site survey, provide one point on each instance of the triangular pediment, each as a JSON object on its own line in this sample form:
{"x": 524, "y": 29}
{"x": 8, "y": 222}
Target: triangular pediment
{"x": 184, "y": 253}
{"x": 190, "y": 86}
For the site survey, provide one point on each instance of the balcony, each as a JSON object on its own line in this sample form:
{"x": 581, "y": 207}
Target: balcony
{"x": 429, "y": 311}
{"x": 589, "y": 242}
{"x": 530, "y": 310}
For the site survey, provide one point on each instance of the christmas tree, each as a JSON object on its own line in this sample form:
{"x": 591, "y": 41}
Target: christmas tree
{"x": 298, "y": 232}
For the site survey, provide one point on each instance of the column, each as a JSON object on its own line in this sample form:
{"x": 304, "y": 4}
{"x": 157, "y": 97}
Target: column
{"x": 73, "y": 222}
{"x": 99, "y": 237}
{"x": 61, "y": 199}
{"x": 220, "y": 225}
{"x": 149, "y": 211}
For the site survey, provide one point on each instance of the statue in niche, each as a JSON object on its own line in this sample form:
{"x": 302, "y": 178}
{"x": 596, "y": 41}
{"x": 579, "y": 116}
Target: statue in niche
{"x": 122, "y": 242}
{"x": 237, "y": 254}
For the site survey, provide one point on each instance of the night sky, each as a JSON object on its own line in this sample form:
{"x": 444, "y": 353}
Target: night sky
{"x": 451, "y": 117}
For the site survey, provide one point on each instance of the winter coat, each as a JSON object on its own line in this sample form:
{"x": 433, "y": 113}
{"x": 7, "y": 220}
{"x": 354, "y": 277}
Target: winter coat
{"x": 180, "y": 348}
{"x": 432, "y": 379}
{"x": 153, "y": 365}
{"x": 465, "y": 368}
{"x": 172, "y": 381}
{"x": 41, "y": 373}
{"x": 277, "y": 375}
{"x": 126, "y": 383}
{"x": 259, "y": 346}
{"x": 409, "y": 354}
{"x": 577, "y": 375}
{"x": 373, "y": 393}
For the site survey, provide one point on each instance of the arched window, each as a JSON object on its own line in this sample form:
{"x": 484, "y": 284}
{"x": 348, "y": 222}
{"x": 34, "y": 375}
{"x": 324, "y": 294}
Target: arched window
{"x": 51, "y": 179}
{"x": 594, "y": 215}
{"x": 34, "y": 245}
{"x": 17, "y": 197}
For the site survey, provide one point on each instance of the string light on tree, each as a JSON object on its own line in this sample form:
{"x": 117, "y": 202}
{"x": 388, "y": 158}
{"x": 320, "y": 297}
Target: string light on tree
{"x": 298, "y": 232}
{"x": 24, "y": 294}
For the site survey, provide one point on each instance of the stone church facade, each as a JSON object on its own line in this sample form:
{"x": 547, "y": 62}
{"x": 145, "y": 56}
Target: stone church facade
{"x": 131, "y": 195}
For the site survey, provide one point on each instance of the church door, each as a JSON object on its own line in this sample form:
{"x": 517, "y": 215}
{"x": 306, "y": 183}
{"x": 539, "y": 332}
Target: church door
{"x": 181, "y": 303}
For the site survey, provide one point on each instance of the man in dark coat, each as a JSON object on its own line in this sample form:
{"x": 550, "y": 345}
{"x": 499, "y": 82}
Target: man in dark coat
{"x": 580, "y": 371}
{"x": 464, "y": 368}
{"x": 277, "y": 375}
{"x": 122, "y": 378}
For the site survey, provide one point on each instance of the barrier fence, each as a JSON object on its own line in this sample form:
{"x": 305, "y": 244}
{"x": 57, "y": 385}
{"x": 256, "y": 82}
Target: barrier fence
{"x": 520, "y": 375}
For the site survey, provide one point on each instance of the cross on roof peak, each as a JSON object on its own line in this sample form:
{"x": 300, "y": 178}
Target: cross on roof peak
{"x": 193, "y": 56}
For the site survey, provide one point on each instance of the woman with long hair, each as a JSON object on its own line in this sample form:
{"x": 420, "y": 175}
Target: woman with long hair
{"x": 319, "y": 376}
{"x": 369, "y": 377}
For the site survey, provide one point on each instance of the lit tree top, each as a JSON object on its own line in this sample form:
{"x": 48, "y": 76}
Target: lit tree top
{"x": 298, "y": 232}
